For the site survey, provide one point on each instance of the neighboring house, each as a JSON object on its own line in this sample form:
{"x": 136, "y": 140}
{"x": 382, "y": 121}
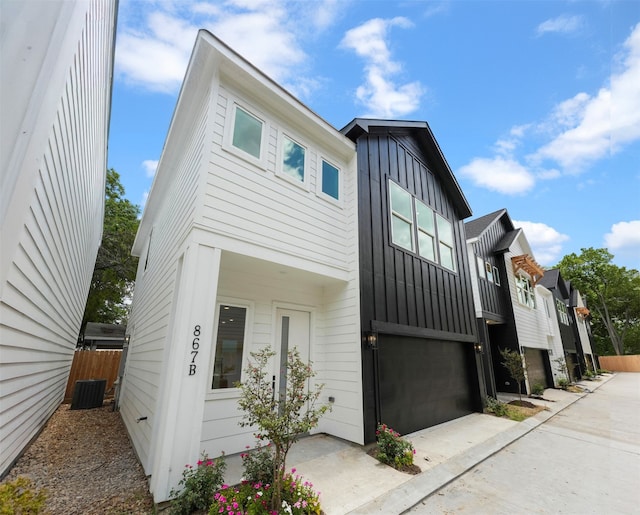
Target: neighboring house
{"x": 248, "y": 240}
{"x": 103, "y": 336}
{"x": 580, "y": 314}
{"x": 548, "y": 324}
{"x": 420, "y": 367}
{"x": 56, "y": 62}
{"x": 511, "y": 311}
{"x": 571, "y": 344}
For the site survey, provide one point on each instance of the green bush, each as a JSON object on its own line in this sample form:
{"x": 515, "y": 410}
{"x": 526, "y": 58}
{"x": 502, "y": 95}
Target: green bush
{"x": 392, "y": 448}
{"x": 198, "y": 486}
{"x": 258, "y": 464}
{"x": 18, "y": 497}
{"x": 498, "y": 408}
{"x": 601, "y": 371}
{"x": 537, "y": 389}
{"x": 563, "y": 383}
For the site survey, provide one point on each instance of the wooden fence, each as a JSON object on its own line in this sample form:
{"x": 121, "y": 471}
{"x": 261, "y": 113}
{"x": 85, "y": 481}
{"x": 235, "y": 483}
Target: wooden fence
{"x": 620, "y": 363}
{"x": 93, "y": 364}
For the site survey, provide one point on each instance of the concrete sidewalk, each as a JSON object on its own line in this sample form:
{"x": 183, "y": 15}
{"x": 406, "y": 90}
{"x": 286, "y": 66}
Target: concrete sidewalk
{"x": 351, "y": 481}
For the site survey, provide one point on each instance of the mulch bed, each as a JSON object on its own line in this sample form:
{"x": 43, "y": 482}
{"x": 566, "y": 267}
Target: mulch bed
{"x": 409, "y": 469}
{"x": 84, "y": 460}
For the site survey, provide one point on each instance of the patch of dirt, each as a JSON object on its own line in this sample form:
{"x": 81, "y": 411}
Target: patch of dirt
{"x": 523, "y": 404}
{"x": 409, "y": 469}
{"x": 84, "y": 460}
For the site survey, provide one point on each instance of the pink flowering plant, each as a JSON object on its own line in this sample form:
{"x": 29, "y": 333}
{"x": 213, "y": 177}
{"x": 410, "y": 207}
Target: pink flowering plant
{"x": 198, "y": 486}
{"x": 255, "y": 498}
{"x": 393, "y": 450}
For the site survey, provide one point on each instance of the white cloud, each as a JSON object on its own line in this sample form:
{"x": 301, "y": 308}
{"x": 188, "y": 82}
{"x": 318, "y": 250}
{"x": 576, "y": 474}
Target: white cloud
{"x": 563, "y": 24}
{"x": 545, "y": 241}
{"x": 601, "y": 125}
{"x": 380, "y": 94}
{"x": 624, "y": 236}
{"x": 581, "y": 130}
{"x": 499, "y": 174}
{"x": 156, "y": 39}
{"x": 150, "y": 167}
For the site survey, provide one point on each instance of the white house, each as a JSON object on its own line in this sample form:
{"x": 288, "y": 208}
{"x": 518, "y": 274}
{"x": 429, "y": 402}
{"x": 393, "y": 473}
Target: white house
{"x": 581, "y": 314}
{"x": 248, "y": 239}
{"x": 56, "y": 61}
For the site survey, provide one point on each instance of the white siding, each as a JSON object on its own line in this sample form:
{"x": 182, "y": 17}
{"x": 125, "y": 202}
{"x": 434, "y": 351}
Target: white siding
{"x": 584, "y": 334}
{"x": 154, "y": 291}
{"x": 549, "y": 325}
{"x": 56, "y": 72}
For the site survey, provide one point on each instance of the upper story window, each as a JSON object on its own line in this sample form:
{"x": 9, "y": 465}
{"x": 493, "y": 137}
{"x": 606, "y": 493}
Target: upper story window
{"x": 489, "y": 271}
{"x": 480, "y": 264}
{"x": 563, "y": 315}
{"x": 330, "y": 180}
{"x": 526, "y": 293}
{"x": 230, "y": 342}
{"x": 496, "y": 276}
{"x": 247, "y": 133}
{"x": 293, "y": 159}
{"x": 401, "y": 217}
{"x": 414, "y": 225}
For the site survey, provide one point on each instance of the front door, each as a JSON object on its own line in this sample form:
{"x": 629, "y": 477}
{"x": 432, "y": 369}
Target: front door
{"x": 293, "y": 330}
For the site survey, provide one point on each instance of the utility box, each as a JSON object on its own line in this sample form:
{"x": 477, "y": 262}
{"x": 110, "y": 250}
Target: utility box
{"x": 88, "y": 394}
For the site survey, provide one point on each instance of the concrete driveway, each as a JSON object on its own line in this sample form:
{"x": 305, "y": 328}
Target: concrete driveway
{"x": 585, "y": 459}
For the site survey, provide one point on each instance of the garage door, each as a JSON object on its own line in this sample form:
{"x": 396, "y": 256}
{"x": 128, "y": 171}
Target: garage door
{"x": 424, "y": 382}
{"x": 536, "y": 366}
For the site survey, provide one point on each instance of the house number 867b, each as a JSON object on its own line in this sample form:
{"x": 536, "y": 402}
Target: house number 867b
{"x": 195, "y": 345}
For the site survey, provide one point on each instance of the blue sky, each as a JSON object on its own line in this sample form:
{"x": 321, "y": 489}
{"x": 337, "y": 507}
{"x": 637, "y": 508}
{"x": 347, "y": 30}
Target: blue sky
{"x": 535, "y": 104}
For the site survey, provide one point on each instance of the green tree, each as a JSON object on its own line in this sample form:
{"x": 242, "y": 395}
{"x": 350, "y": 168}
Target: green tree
{"x": 279, "y": 420}
{"x": 513, "y": 363}
{"x": 613, "y": 297}
{"x": 115, "y": 269}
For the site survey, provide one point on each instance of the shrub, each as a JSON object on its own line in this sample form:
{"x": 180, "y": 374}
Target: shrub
{"x": 392, "y": 448}
{"x": 255, "y": 498}
{"x": 198, "y": 486}
{"x": 563, "y": 383}
{"x": 513, "y": 363}
{"x": 601, "y": 371}
{"x": 498, "y": 408}
{"x": 537, "y": 389}
{"x": 17, "y": 496}
{"x": 258, "y": 464}
{"x": 588, "y": 375}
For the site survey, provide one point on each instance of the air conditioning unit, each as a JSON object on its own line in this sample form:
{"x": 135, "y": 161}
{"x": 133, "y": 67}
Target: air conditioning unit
{"x": 88, "y": 394}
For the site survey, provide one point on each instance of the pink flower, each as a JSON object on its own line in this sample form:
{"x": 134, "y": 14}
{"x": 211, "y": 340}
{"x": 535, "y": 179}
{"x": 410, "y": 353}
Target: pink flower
{"x": 293, "y": 470}
{"x": 199, "y": 462}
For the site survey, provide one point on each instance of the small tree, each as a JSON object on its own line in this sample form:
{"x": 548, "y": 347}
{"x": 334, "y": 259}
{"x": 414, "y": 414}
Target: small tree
{"x": 514, "y": 365}
{"x": 280, "y": 420}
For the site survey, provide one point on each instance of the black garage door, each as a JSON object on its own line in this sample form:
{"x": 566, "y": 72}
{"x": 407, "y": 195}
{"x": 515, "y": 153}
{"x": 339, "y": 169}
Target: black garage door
{"x": 537, "y": 361}
{"x": 424, "y": 382}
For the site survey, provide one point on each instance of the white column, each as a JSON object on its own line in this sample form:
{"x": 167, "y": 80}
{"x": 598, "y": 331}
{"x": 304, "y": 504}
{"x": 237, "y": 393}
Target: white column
{"x": 178, "y": 424}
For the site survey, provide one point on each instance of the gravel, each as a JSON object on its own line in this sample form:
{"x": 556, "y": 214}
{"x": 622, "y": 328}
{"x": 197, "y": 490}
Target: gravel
{"x": 85, "y": 461}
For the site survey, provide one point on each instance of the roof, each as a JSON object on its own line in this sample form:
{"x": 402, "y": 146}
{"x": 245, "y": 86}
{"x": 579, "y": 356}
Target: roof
{"x": 475, "y": 228}
{"x": 95, "y": 331}
{"x": 552, "y": 280}
{"x": 507, "y": 240}
{"x": 427, "y": 142}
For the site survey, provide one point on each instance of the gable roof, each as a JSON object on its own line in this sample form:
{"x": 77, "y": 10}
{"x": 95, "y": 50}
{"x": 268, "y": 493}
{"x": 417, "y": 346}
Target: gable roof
{"x": 552, "y": 280}
{"x": 428, "y": 144}
{"x": 475, "y": 228}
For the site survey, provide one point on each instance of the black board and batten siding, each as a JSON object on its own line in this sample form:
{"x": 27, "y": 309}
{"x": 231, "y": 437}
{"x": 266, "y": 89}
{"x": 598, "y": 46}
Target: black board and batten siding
{"x": 404, "y": 296}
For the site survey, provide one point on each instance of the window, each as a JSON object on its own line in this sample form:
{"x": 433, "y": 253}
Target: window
{"x": 480, "y": 264}
{"x": 525, "y": 291}
{"x": 445, "y": 237}
{"x": 489, "y": 270}
{"x": 496, "y": 276}
{"x": 563, "y": 315}
{"x": 401, "y": 217}
{"x": 412, "y": 221}
{"x": 227, "y": 365}
{"x": 426, "y": 231}
{"x": 247, "y": 133}
{"x": 293, "y": 159}
{"x": 330, "y": 180}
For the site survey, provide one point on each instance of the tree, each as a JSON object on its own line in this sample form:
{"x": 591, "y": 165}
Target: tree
{"x": 115, "y": 269}
{"x": 280, "y": 420}
{"x": 613, "y": 296}
{"x": 513, "y": 363}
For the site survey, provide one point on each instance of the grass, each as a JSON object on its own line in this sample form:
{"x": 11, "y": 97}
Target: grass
{"x": 520, "y": 413}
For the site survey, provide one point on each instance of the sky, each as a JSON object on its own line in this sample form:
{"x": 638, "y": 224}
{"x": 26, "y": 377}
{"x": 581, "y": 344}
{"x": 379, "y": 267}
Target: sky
{"x": 535, "y": 104}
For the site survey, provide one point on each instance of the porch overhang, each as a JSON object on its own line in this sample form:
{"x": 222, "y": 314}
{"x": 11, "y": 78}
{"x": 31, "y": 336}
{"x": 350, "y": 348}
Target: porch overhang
{"x": 582, "y": 312}
{"x": 528, "y": 264}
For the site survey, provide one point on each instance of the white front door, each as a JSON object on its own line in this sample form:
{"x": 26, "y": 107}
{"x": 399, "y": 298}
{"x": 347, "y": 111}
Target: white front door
{"x": 293, "y": 330}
